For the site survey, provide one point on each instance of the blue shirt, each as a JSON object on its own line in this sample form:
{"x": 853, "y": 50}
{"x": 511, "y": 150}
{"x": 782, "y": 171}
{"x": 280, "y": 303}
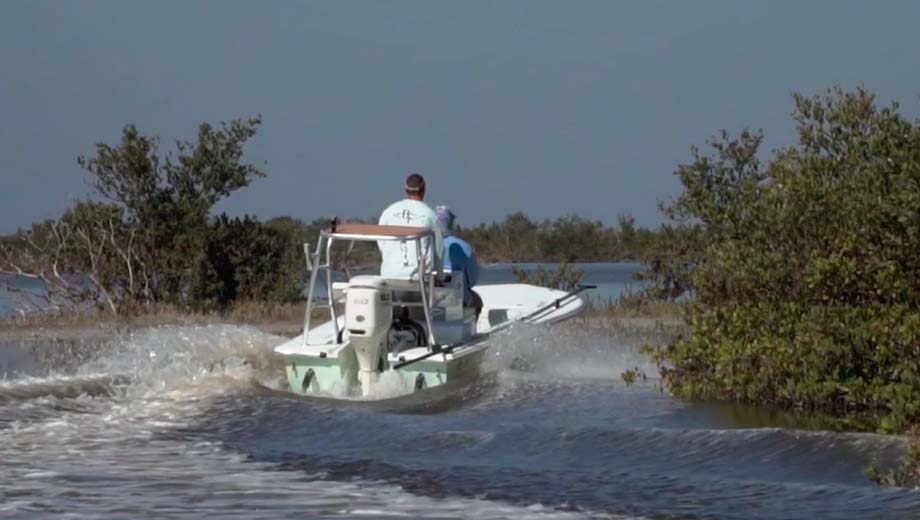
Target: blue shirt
{"x": 458, "y": 256}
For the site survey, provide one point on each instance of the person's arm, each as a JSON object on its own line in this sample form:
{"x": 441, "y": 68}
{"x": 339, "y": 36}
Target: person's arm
{"x": 473, "y": 269}
{"x": 448, "y": 260}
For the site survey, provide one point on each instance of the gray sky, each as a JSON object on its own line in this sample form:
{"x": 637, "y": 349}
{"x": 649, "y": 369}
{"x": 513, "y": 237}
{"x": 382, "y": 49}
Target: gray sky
{"x": 549, "y": 107}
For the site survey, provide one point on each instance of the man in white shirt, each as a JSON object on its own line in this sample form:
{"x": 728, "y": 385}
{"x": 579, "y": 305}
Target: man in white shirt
{"x": 399, "y": 258}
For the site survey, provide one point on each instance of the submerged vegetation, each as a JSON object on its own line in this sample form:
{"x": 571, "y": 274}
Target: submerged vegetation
{"x": 907, "y": 473}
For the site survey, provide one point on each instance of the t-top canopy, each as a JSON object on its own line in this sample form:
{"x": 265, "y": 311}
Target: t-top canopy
{"x": 356, "y": 231}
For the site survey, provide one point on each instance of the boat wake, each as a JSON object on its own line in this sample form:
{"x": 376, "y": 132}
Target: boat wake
{"x": 60, "y": 387}
{"x": 134, "y": 418}
{"x": 194, "y": 421}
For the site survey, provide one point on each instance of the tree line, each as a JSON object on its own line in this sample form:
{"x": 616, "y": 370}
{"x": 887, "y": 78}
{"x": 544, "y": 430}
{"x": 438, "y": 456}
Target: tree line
{"x": 148, "y": 235}
{"x": 568, "y": 238}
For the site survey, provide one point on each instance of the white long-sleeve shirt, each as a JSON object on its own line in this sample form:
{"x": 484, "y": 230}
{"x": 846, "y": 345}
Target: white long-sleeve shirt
{"x": 400, "y": 258}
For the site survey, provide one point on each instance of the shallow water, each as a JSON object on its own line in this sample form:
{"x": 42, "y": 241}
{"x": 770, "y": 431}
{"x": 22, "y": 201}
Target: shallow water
{"x": 24, "y": 290}
{"x": 179, "y": 422}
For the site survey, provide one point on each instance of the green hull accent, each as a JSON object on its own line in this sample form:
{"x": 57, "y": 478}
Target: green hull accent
{"x": 339, "y": 376}
{"x": 328, "y": 375}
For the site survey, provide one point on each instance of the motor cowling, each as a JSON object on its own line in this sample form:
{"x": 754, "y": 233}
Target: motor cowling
{"x": 368, "y": 316}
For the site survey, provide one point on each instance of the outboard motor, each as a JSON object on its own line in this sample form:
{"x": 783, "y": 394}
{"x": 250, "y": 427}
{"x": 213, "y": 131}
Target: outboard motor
{"x": 368, "y": 316}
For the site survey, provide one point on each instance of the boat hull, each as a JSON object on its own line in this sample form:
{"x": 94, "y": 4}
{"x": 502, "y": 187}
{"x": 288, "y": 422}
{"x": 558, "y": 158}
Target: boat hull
{"x": 324, "y": 363}
{"x": 337, "y": 376}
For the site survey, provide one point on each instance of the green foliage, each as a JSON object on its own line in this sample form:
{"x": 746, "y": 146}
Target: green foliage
{"x": 670, "y": 260}
{"x": 907, "y": 473}
{"x": 155, "y": 189}
{"x": 514, "y": 240}
{"x": 143, "y": 256}
{"x": 632, "y": 375}
{"x": 168, "y": 198}
{"x": 804, "y": 270}
{"x": 566, "y": 239}
{"x": 629, "y": 377}
{"x": 247, "y": 260}
{"x": 156, "y": 241}
{"x": 719, "y": 190}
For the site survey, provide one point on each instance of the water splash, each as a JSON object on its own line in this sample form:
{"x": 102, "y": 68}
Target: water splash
{"x": 195, "y": 360}
{"x": 568, "y": 352}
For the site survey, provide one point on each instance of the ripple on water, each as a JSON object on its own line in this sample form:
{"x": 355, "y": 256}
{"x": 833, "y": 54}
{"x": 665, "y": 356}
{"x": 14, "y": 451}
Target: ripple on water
{"x": 177, "y": 422}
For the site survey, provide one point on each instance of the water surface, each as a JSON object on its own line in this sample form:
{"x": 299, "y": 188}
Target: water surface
{"x": 183, "y": 422}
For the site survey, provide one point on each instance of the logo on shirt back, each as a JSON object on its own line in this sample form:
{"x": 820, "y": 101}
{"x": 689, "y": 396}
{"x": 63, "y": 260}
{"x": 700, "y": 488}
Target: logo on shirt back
{"x": 406, "y": 215}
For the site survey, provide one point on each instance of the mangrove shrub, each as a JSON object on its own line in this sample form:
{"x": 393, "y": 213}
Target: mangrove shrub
{"x": 806, "y": 272}
{"x": 154, "y": 239}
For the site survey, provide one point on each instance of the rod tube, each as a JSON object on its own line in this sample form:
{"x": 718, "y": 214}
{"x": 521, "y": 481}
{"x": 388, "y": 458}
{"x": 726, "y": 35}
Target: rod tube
{"x": 335, "y": 320}
{"x": 313, "y": 274}
{"x": 557, "y": 302}
{"x": 426, "y": 303}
